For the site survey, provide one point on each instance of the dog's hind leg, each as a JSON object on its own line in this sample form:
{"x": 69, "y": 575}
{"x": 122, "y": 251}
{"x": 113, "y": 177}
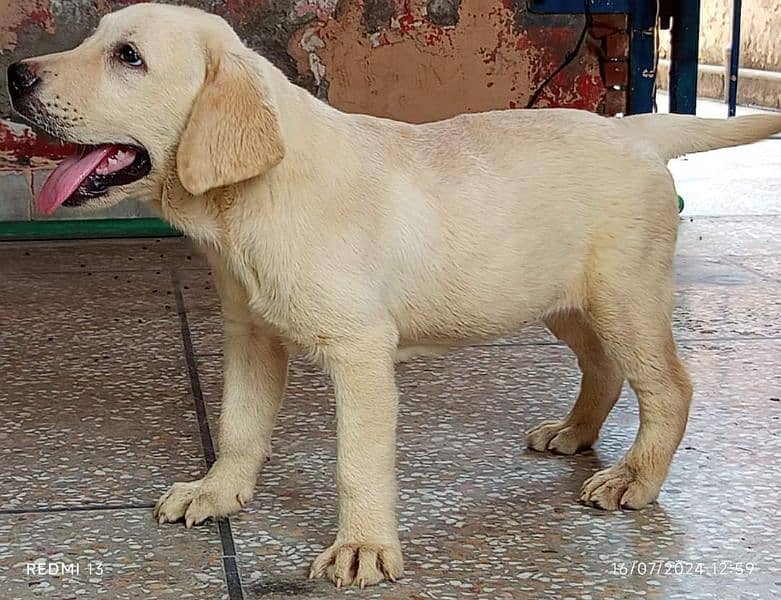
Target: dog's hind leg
{"x": 633, "y": 318}
{"x": 599, "y": 389}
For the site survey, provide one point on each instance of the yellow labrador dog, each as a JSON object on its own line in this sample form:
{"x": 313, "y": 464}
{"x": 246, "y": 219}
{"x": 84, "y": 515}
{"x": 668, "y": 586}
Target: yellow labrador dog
{"x": 356, "y": 240}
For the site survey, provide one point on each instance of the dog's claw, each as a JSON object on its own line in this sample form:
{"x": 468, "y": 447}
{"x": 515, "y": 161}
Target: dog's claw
{"x": 358, "y": 564}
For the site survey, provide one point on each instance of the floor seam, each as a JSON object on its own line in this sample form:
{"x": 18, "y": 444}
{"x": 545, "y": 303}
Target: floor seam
{"x": 82, "y": 508}
{"x": 734, "y": 260}
{"x": 156, "y": 269}
{"x": 229, "y": 561}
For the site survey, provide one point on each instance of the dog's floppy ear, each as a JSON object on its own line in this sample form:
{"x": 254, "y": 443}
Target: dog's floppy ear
{"x": 232, "y": 133}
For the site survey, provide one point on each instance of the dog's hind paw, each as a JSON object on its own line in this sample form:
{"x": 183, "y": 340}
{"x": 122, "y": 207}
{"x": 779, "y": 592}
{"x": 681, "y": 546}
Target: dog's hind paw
{"x": 618, "y": 487}
{"x": 561, "y": 437}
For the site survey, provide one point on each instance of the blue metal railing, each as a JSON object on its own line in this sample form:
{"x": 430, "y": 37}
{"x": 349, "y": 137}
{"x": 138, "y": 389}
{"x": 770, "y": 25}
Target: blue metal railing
{"x": 684, "y": 57}
{"x": 734, "y": 59}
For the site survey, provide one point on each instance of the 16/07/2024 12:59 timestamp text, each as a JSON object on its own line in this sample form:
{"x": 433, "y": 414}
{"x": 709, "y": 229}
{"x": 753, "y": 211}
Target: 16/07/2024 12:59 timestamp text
{"x": 681, "y": 567}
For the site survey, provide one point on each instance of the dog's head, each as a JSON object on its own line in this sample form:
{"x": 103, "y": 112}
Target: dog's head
{"x": 153, "y": 83}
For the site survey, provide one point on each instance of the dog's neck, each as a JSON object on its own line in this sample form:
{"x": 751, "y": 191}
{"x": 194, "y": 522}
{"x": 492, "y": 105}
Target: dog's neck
{"x": 198, "y": 217}
{"x": 306, "y": 124}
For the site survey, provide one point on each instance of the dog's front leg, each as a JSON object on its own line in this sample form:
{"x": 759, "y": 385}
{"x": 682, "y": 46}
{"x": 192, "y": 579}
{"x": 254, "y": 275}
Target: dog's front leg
{"x": 255, "y": 372}
{"x": 366, "y": 550}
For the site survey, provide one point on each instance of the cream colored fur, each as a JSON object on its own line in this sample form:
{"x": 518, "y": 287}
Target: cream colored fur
{"x": 356, "y": 241}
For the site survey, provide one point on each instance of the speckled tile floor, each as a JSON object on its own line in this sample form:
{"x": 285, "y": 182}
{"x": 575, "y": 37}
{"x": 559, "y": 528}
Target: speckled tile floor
{"x": 97, "y": 418}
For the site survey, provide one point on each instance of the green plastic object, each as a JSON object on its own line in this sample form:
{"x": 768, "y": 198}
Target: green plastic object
{"x": 84, "y": 228}
{"x": 101, "y": 228}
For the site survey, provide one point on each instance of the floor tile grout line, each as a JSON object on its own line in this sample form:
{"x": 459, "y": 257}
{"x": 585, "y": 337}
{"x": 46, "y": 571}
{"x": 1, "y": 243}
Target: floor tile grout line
{"x": 192, "y": 371}
{"x": 734, "y": 260}
{"x": 229, "y": 561}
{"x": 82, "y": 508}
{"x": 84, "y": 271}
{"x": 679, "y": 340}
{"x": 232, "y": 578}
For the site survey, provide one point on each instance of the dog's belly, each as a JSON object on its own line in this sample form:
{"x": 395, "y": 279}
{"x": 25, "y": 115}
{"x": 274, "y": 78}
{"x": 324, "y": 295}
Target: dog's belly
{"x": 468, "y": 318}
{"x": 505, "y": 289}
{"x": 432, "y": 346}
{"x": 468, "y": 272}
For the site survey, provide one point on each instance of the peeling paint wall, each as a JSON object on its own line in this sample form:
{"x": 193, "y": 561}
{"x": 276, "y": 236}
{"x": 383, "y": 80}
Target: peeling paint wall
{"x": 393, "y": 59}
{"x": 415, "y": 60}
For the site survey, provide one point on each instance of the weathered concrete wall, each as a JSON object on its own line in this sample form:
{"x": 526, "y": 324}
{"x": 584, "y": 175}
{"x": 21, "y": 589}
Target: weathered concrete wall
{"x": 416, "y": 60}
{"x": 760, "y": 46}
{"x": 760, "y": 49}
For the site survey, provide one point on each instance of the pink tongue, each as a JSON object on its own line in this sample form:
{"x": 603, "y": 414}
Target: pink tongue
{"x": 69, "y": 175}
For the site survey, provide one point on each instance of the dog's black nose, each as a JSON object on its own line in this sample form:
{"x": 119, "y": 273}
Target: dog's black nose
{"x": 21, "y": 79}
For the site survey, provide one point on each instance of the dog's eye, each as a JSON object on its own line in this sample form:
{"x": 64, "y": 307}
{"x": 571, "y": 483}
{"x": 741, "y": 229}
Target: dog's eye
{"x": 128, "y": 55}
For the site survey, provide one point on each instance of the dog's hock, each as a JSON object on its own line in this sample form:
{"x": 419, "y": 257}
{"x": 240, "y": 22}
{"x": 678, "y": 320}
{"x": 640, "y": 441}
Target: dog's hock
{"x": 232, "y": 134}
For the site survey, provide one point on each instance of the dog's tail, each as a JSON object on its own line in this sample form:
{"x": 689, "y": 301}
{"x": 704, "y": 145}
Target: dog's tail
{"x": 674, "y": 135}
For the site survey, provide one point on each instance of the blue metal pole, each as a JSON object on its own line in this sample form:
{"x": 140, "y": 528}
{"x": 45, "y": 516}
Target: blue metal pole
{"x": 684, "y": 57}
{"x": 642, "y": 74}
{"x": 734, "y": 58}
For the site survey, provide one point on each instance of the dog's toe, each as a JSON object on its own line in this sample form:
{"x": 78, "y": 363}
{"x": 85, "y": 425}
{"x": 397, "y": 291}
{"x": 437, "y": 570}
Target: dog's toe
{"x": 173, "y": 504}
{"x": 359, "y": 564}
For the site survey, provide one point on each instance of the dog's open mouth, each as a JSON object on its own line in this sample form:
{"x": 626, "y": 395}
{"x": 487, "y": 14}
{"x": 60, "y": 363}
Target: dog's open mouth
{"x": 90, "y": 173}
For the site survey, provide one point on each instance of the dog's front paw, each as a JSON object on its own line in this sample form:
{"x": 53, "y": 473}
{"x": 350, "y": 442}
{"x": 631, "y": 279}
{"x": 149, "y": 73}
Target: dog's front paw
{"x": 359, "y": 563}
{"x": 196, "y": 501}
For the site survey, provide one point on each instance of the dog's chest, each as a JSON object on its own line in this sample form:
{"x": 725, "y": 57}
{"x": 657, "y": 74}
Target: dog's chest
{"x": 276, "y": 295}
